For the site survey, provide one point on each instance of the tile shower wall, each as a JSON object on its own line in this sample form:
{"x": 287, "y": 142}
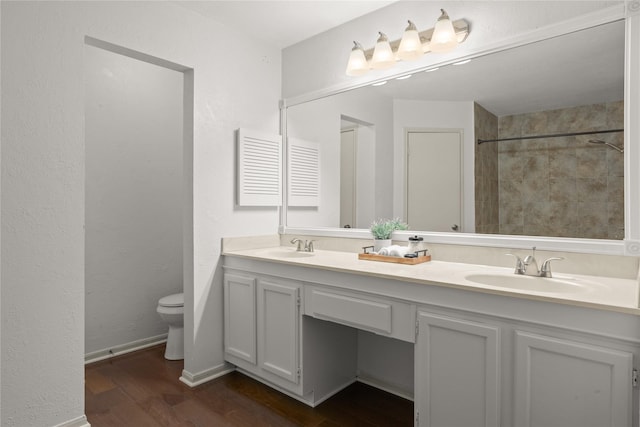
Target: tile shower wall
{"x": 562, "y": 186}
{"x": 486, "y": 172}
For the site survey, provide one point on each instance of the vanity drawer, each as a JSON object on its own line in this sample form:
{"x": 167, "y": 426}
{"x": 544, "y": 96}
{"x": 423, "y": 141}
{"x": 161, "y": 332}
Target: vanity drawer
{"x": 378, "y": 315}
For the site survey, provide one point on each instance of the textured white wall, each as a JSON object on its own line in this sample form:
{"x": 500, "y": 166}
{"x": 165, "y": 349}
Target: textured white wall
{"x": 133, "y": 205}
{"x": 43, "y": 182}
{"x": 0, "y": 211}
{"x": 386, "y": 361}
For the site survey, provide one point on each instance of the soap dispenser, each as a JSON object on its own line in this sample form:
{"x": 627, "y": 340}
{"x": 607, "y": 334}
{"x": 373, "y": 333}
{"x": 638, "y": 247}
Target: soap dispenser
{"x": 415, "y": 244}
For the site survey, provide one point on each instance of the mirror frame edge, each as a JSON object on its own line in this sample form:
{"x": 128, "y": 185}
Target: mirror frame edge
{"x": 631, "y": 243}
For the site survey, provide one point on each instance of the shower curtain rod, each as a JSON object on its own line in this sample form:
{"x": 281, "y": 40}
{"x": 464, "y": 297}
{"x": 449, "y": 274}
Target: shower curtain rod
{"x": 555, "y": 135}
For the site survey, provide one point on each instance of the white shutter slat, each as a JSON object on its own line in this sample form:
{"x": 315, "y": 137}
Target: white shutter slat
{"x": 304, "y": 173}
{"x": 259, "y": 169}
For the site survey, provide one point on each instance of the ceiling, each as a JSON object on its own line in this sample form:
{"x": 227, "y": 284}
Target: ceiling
{"x": 283, "y": 23}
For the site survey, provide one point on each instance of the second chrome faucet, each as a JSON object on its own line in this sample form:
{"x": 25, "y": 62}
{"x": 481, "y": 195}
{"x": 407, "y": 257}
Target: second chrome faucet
{"x": 523, "y": 265}
{"x": 303, "y": 245}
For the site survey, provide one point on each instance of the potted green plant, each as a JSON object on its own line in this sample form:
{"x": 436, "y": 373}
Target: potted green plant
{"x": 382, "y": 229}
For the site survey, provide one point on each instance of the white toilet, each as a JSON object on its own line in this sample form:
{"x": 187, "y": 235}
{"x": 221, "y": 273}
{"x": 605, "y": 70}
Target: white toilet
{"x": 171, "y": 310}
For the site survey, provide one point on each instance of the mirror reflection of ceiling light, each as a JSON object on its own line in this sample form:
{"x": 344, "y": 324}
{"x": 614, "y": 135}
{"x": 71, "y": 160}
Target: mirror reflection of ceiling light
{"x": 444, "y": 37}
{"x": 408, "y": 76}
{"x": 466, "y": 61}
{"x": 379, "y": 83}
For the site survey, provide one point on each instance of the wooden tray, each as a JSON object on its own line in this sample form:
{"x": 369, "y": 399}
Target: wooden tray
{"x": 395, "y": 259}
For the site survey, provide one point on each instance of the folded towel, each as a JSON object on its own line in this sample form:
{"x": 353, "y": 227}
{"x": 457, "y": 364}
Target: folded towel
{"x": 398, "y": 251}
{"x": 394, "y": 250}
{"x": 384, "y": 251}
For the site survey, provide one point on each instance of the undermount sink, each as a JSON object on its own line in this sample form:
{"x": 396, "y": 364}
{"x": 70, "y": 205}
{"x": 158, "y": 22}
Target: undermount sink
{"x": 290, "y": 253}
{"x": 533, "y": 283}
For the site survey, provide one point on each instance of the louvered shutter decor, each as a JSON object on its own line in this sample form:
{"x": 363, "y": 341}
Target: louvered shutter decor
{"x": 304, "y": 173}
{"x": 259, "y": 169}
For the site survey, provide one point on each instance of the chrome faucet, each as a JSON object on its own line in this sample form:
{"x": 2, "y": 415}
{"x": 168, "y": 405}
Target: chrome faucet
{"x": 303, "y": 245}
{"x": 308, "y": 246}
{"x": 531, "y": 259}
{"x": 522, "y": 266}
{"x": 545, "y": 271}
{"x": 299, "y": 242}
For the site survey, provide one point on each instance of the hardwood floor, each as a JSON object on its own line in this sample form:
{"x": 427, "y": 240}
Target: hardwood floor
{"x": 142, "y": 389}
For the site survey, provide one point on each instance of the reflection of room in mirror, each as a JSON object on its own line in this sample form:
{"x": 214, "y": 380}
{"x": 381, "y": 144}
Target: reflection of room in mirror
{"x": 570, "y": 189}
{"x": 357, "y": 139}
{"x": 433, "y": 179}
{"x": 557, "y": 186}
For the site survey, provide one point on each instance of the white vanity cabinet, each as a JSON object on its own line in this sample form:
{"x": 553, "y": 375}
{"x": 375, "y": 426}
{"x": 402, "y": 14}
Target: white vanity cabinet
{"x": 479, "y": 359}
{"x": 571, "y": 383}
{"x": 483, "y": 371}
{"x": 240, "y": 318}
{"x": 278, "y": 329}
{"x": 457, "y": 371}
{"x": 266, "y": 336}
{"x": 382, "y": 316}
{"x": 262, "y": 327}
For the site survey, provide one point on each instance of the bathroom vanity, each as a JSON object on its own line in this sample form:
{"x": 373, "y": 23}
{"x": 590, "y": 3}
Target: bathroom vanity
{"x": 490, "y": 349}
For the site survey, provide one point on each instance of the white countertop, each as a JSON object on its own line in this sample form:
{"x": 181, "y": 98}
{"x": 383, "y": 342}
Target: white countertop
{"x": 604, "y": 293}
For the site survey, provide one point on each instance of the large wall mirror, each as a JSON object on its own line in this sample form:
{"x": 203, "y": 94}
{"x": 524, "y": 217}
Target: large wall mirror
{"x": 410, "y": 148}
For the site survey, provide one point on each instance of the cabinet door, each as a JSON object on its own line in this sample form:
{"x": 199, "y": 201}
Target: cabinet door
{"x": 457, "y": 372}
{"x": 566, "y": 383}
{"x": 240, "y": 317}
{"x": 278, "y": 329}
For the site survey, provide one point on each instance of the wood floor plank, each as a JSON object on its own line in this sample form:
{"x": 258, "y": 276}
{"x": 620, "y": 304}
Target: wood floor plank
{"x": 200, "y": 414}
{"x": 142, "y": 389}
{"x": 103, "y": 402}
{"x": 97, "y": 382}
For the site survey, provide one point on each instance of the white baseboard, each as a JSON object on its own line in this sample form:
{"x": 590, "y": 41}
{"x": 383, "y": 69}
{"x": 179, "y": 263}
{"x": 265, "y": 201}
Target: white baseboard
{"x": 335, "y": 391}
{"x": 121, "y": 349}
{"x": 193, "y": 380}
{"x": 81, "y": 421}
{"x": 384, "y": 386}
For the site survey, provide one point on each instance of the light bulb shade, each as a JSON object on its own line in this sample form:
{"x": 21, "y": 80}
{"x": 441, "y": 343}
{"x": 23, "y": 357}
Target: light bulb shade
{"x": 410, "y": 46}
{"x": 357, "y": 65}
{"x": 383, "y": 56}
{"x": 444, "y": 37}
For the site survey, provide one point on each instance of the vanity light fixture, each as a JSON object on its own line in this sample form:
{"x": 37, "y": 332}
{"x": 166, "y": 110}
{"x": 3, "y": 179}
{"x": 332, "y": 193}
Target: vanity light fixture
{"x": 383, "y": 57}
{"x": 357, "y": 61}
{"x": 444, "y": 37}
{"x": 410, "y": 46}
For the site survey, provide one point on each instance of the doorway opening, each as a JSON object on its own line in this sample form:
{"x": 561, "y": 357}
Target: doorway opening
{"x": 138, "y": 195}
{"x": 357, "y": 173}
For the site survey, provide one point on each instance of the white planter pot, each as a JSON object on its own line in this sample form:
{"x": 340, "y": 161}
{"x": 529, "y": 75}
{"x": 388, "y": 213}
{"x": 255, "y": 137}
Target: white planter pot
{"x": 379, "y": 244}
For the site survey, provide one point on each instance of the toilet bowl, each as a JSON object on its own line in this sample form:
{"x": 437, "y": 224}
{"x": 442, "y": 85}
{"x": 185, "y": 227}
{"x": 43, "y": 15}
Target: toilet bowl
{"x": 171, "y": 310}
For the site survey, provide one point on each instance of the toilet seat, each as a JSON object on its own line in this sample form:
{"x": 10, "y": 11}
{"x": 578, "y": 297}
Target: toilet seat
{"x": 175, "y": 300}
{"x": 171, "y": 310}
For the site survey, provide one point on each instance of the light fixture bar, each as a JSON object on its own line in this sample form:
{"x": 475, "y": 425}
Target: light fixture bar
{"x": 461, "y": 28}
